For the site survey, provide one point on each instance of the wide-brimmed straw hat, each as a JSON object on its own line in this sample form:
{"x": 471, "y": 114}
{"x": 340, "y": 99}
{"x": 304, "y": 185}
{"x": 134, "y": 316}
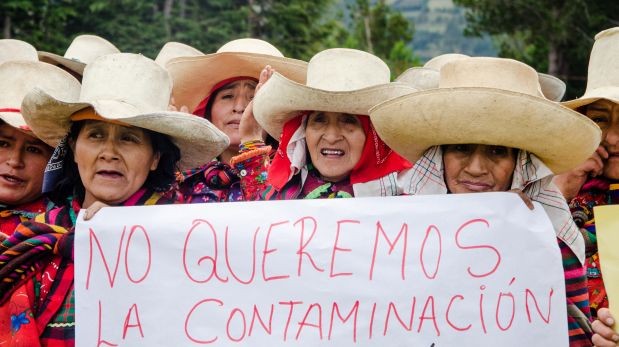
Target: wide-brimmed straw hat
{"x": 338, "y": 80}
{"x": 427, "y": 77}
{"x": 11, "y": 50}
{"x": 20, "y": 77}
{"x": 83, "y": 50}
{"x": 603, "y": 78}
{"x": 133, "y": 90}
{"x": 195, "y": 77}
{"x": 490, "y": 101}
{"x": 173, "y": 50}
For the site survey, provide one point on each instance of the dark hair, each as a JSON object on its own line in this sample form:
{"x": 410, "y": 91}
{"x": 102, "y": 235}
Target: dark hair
{"x": 160, "y": 179}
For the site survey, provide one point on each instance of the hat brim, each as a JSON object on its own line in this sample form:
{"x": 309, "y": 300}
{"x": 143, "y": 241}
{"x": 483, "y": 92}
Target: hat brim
{"x": 198, "y": 140}
{"x": 280, "y": 100}
{"x": 560, "y": 137}
{"x": 194, "y": 77}
{"x": 55, "y": 59}
{"x": 606, "y": 93}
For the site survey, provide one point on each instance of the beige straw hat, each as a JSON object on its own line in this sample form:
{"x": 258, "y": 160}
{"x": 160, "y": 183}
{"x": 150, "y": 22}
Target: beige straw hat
{"x": 83, "y": 50}
{"x": 489, "y": 101}
{"x": 173, "y": 50}
{"x": 427, "y": 77}
{"x": 20, "y": 77}
{"x": 338, "y": 80}
{"x": 603, "y": 79}
{"x": 134, "y": 90}
{"x": 16, "y": 50}
{"x": 194, "y": 77}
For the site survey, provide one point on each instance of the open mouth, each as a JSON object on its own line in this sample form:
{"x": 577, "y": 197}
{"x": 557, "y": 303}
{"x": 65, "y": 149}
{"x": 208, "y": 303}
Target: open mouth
{"x": 330, "y": 152}
{"x": 12, "y": 179}
{"x": 112, "y": 174}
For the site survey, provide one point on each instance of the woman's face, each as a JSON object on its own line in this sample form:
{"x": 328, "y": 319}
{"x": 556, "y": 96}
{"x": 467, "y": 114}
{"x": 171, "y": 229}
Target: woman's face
{"x": 228, "y": 106}
{"x": 335, "y": 143}
{"x": 474, "y": 168}
{"x": 113, "y": 161}
{"x": 22, "y": 162}
{"x": 606, "y": 114}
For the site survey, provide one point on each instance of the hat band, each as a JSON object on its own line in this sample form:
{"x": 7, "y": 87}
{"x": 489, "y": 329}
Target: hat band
{"x": 13, "y": 110}
{"x": 90, "y": 114}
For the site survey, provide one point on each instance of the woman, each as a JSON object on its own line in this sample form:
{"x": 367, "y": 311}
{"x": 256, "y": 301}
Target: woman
{"x": 116, "y": 146}
{"x": 328, "y": 146}
{"x": 596, "y": 181}
{"x": 23, "y": 156}
{"x": 487, "y": 128}
{"x": 218, "y": 87}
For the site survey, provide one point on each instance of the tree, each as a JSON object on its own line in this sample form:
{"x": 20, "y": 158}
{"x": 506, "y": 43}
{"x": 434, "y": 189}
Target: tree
{"x": 552, "y": 36}
{"x": 384, "y": 32}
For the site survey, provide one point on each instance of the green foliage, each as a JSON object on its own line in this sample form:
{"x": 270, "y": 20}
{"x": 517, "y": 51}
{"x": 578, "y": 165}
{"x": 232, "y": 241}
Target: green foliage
{"x": 384, "y": 32}
{"x": 549, "y": 35}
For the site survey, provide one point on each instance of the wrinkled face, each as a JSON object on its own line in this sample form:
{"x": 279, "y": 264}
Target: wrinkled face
{"x": 606, "y": 114}
{"x": 22, "y": 162}
{"x": 113, "y": 161}
{"x": 228, "y": 106}
{"x": 335, "y": 143}
{"x": 474, "y": 168}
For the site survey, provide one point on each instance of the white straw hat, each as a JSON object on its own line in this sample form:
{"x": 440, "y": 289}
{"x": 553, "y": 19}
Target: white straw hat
{"x": 173, "y": 50}
{"x": 603, "y": 78}
{"x": 427, "y": 77}
{"x": 338, "y": 80}
{"x": 20, "y": 77}
{"x": 17, "y": 50}
{"x": 489, "y": 101}
{"x": 83, "y": 50}
{"x": 134, "y": 90}
{"x": 194, "y": 77}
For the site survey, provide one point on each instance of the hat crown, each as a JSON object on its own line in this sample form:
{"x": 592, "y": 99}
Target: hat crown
{"x": 173, "y": 50}
{"x": 439, "y": 61}
{"x": 496, "y": 73}
{"x": 249, "y": 45}
{"x": 342, "y": 69}
{"x": 86, "y": 48}
{"x": 24, "y": 76}
{"x": 129, "y": 78}
{"x": 604, "y": 61}
{"x": 11, "y": 50}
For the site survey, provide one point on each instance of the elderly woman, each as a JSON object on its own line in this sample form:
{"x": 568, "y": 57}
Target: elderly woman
{"x": 328, "y": 146}
{"x": 116, "y": 146}
{"x": 218, "y": 87}
{"x": 596, "y": 181}
{"x": 489, "y": 128}
{"x": 23, "y": 156}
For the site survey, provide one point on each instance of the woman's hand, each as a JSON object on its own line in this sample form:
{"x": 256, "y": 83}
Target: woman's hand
{"x": 570, "y": 182}
{"x": 93, "y": 209}
{"x": 603, "y": 333}
{"x": 249, "y": 129}
{"x": 525, "y": 198}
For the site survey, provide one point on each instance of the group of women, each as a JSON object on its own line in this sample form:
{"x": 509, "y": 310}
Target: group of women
{"x": 97, "y": 127}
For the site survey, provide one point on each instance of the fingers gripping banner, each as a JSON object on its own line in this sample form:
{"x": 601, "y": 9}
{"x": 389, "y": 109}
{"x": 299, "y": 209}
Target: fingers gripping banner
{"x": 453, "y": 270}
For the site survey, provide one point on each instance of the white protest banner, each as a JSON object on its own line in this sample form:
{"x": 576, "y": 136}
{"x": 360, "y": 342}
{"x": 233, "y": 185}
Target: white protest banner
{"x": 451, "y": 270}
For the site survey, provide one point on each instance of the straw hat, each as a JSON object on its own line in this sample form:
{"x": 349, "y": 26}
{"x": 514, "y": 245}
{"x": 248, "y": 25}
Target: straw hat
{"x": 603, "y": 79}
{"x": 427, "y": 77}
{"x": 16, "y": 50}
{"x": 131, "y": 89}
{"x": 194, "y": 77}
{"x": 20, "y": 77}
{"x": 83, "y": 50}
{"x": 338, "y": 80}
{"x": 490, "y": 101}
{"x": 173, "y": 50}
